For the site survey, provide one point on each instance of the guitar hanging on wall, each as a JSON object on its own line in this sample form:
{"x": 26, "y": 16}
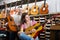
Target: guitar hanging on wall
{"x": 27, "y": 9}
{"x": 34, "y": 10}
{"x": 3, "y": 12}
{"x": 11, "y": 10}
{"x": 44, "y": 8}
{"x": 16, "y": 9}
{"x": 21, "y": 8}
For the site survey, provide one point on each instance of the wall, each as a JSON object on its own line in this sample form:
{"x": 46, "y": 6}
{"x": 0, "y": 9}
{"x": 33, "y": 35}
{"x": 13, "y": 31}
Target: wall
{"x": 7, "y": 1}
{"x": 54, "y": 6}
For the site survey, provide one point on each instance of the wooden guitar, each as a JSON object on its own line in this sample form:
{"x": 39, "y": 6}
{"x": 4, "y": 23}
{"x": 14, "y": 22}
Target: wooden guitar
{"x": 2, "y": 24}
{"x": 34, "y": 10}
{"x": 21, "y": 8}
{"x": 44, "y": 8}
{"x": 0, "y": 16}
{"x": 3, "y": 12}
{"x": 11, "y": 23}
{"x": 27, "y": 9}
{"x": 11, "y": 10}
{"x": 37, "y": 27}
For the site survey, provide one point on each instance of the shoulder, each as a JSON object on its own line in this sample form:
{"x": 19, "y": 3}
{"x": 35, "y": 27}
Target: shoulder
{"x": 23, "y": 25}
{"x": 33, "y": 21}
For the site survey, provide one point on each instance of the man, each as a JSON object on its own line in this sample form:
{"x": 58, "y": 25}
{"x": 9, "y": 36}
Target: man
{"x": 11, "y": 27}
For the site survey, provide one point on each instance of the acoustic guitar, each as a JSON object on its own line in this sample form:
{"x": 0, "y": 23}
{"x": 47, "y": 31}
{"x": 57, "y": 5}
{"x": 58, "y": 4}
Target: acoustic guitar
{"x": 34, "y": 10}
{"x": 2, "y": 24}
{"x": 0, "y": 16}
{"x": 21, "y": 10}
{"x": 3, "y": 13}
{"x": 11, "y": 23}
{"x": 44, "y": 8}
{"x": 27, "y": 9}
{"x": 37, "y": 27}
{"x": 16, "y": 10}
{"x": 11, "y": 10}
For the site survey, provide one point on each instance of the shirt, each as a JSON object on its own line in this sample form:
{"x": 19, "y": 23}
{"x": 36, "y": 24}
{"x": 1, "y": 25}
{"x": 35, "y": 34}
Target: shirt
{"x": 17, "y": 18}
{"x": 32, "y": 23}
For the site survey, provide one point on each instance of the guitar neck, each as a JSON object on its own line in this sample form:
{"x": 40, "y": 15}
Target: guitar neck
{"x": 5, "y": 8}
{"x": 10, "y": 6}
{"x": 44, "y": 2}
{"x": 35, "y": 2}
{"x": 21, "y": 4}
{"x": 15, "y": 7}
{"x": 27, "y": 3}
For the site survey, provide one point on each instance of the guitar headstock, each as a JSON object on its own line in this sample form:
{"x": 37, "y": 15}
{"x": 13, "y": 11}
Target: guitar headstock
{"x": 5, "y": 4}
{"x": 28, "y": 1}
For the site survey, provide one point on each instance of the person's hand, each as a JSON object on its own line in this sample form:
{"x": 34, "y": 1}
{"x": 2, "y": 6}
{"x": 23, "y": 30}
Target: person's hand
{"x": 19, "y": 32}
{"x": 33, "y": 30}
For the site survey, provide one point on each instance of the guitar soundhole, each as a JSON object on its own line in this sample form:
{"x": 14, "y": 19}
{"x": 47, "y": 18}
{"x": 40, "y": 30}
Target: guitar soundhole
{"x": 30, "y": 33}
{"x": 44, "y": 9}
{"x": 10, "y": 19}
{"x": 37, "y": 27}
{"x": 29, "y": 30}
{"x": 34, "y": 7}
{"x": 26, "y": 8}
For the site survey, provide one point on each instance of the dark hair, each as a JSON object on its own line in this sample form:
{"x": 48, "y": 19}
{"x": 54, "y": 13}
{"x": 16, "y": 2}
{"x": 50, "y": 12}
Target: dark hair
{"x": 23, "y": 20}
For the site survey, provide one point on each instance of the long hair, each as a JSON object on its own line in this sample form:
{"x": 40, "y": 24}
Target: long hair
{"x": 23, "y": 20}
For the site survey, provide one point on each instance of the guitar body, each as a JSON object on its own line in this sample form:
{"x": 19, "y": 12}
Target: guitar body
{"x": 0, "y": 16}
{"x": 37, "y": 27}
{"x": 27, "y": 10}
{"x": 44, "y": 10}
{"x": 3, "y": 14}
{"x": 2, "y": 26}
{"x": 11, "y": 24}
{"x": 34, "y": 10}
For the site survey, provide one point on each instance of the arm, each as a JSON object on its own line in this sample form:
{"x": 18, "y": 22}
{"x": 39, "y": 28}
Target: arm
{"x": 21, "y": 29}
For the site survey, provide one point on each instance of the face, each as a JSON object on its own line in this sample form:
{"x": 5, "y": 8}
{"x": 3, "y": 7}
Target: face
{"x": 27, "y": 17}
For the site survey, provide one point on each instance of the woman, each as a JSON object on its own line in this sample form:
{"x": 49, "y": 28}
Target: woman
{"x": 25, "y": 23}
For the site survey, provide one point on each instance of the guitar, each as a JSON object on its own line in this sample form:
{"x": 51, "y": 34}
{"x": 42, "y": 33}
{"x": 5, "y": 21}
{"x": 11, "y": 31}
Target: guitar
{"x": 11, "y": 23}
{"x": 0, "y": 16}
{"x": 37, "y": 27}
{"x": 16, "y": 10}
{"x": 27, "y": 9}
{"x": 2, "y": 24}
{"x": 34, "y": 10}
{"x": 11, "y": 10}
{"x": 3, "y": 12}
{"x": 44, "y": 8}
{"x": 21, "y": 9}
